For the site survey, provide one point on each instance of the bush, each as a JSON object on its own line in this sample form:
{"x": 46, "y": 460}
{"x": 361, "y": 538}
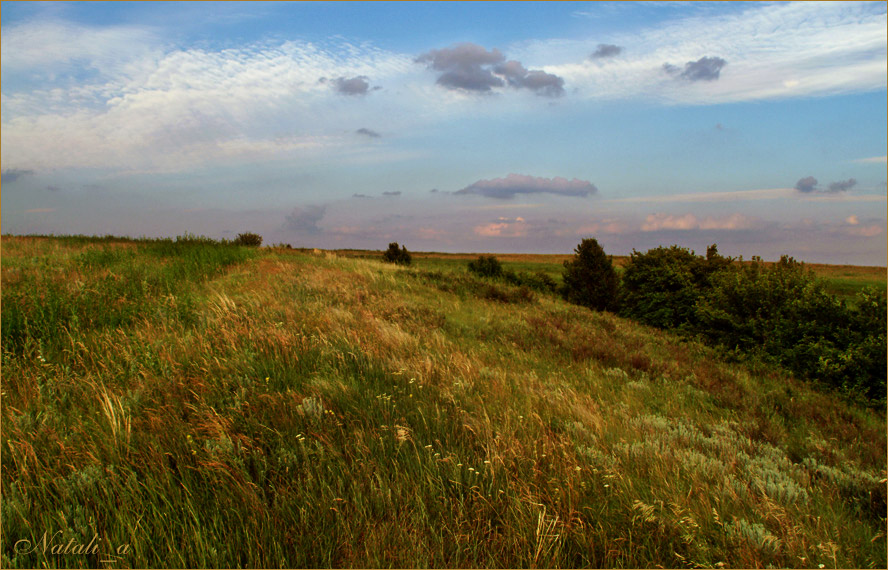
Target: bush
{"x": 662, "y": 286}
{"x": 486, "y": 266}
{"x": 590, "y": 279}
{"x": 396, "y": 254}
{"x": 249, "y": 239}
{"x": 538, "y": 280}
{"x": 785, "y": 313}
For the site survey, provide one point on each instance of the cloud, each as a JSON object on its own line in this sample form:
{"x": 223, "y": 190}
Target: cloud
{"x": 538, "y": 81}
{"x": 704, "y": 69}
{"x": 872, "y": 160}
{"x": 737, "y": 195}
{"x": 657, "y": 222}
{"x": 503, "y": 227}
{"x": 395, "y": 193}
{"x": 852, "y": 220}
{"x": 606, "y": 50}
{"x": 354, "y": 86}
{"x": 775, "y": 51}
{"x": 40, "y": 211}
{"x": 843, "y": 185}
{"x": 12, "y": 174}
{"x": 470, "y": 67}
{"x": 305, "y": 219}
{"x": 806, "y": 184}
{"x": 506, "y": 188}
{"x": 368, "y": 132}
{"x": 361, "y": 196}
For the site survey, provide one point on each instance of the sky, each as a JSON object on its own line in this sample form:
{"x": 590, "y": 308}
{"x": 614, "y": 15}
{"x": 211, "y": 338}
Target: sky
{"x": 456, "y": 127}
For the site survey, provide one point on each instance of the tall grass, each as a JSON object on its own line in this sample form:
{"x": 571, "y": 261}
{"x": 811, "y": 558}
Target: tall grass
{"x": 314, "y": 410}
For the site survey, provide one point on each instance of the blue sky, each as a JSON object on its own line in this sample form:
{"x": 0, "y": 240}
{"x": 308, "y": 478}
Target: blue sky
{"x": 474, "y": 127}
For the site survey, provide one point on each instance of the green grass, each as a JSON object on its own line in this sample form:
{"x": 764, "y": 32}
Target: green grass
{"x": 218, "y": 406}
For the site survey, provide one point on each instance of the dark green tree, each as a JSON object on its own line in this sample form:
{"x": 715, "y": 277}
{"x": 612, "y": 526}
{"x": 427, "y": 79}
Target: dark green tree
{"x": 397, "y": 254}
{"x": 249, "y": 239}
{"x": 590, "y": 279}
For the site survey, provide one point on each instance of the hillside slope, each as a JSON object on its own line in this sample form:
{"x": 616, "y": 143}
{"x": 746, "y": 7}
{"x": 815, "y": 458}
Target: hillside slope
{"x": 213, "y": 406}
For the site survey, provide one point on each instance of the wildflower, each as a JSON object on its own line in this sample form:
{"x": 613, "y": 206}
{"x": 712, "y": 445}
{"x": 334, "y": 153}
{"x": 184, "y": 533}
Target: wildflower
{"x": 459, "y": 464}
{"x": 578, "y": 468}
{"x": 487, "y": 462}
{"x": 606, "y": 485}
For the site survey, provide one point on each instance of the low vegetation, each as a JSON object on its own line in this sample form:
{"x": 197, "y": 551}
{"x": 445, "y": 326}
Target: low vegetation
{"x": 201, "y": 404}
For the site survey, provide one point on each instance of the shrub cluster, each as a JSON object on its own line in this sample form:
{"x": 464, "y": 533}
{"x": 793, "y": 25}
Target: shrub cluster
{"x": 248, "y": 239}
{"x": 397, "y": 254}
{"x": 488, "y": 266}
{"x": 780, "y": 312}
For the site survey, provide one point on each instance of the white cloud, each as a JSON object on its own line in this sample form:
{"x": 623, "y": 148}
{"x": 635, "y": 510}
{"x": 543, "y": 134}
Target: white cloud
{"x": 148, "y": 110}
{"x": 793, "y": 49}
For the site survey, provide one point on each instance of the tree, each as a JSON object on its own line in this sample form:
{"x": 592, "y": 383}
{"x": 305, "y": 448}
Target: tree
{"x": 397, "y": 254}
{"x": 590, "y": 279}
{"x": 249, "y": 239}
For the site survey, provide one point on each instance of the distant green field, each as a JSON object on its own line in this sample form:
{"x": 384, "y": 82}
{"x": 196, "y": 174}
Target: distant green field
{"x": 842, "y": 280}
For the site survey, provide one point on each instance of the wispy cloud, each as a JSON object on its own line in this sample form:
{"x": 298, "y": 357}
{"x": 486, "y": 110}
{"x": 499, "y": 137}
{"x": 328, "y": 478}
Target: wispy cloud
{"x": 10, "y": 175}
{"x": 739, "y": 195}
{"x": 304, "y": 220}
{"x": 656, "y": 222}
{"x": 872, "y": 160}
{"x": 772, "y": 51}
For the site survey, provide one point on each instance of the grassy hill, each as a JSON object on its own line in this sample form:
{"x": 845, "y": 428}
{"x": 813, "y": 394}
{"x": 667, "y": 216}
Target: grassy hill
{"x": 198, "y": 405}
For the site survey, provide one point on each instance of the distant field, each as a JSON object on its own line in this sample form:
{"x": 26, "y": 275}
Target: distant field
{"x": 842, "y": 280}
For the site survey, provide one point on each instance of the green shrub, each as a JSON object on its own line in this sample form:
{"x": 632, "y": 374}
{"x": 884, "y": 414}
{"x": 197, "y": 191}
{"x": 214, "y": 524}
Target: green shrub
{"x": 662, "y": 286}
{"x": 396, "y": 254}
{"x": 786, "y": 314}
{"x": 538, "y": 280}
{"x": 590, "y": 279}
{"x": 248, "y": 239}
{"x": 486, "y": 266}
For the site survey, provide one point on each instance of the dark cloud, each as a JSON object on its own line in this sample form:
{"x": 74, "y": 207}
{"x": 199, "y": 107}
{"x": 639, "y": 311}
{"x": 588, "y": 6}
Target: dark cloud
{"x": 354, "y": 86}
{"x": 806, "y": 184}
{"x": 842, "y": 186}
{"x": 368, "y": 132}
{"x": 361, "y": 196}
{"x": 506, "y": 188}
{"x": 606, "y": 50}
{"x": 12, "y": 174}
{"x": 305, "y": 219}
{"x": 471, "y": 67}
{"x": 395, "y": 193}
{"x": 53, "y": 188}
{"x": 704, "y": 69}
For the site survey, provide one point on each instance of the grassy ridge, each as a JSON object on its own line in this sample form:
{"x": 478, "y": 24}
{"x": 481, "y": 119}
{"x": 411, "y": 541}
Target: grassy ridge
{"x": 313, "y": 410}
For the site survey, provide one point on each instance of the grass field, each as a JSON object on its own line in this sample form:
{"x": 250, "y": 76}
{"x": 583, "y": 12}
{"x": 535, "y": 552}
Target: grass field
{"x": 198, "y": 405}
